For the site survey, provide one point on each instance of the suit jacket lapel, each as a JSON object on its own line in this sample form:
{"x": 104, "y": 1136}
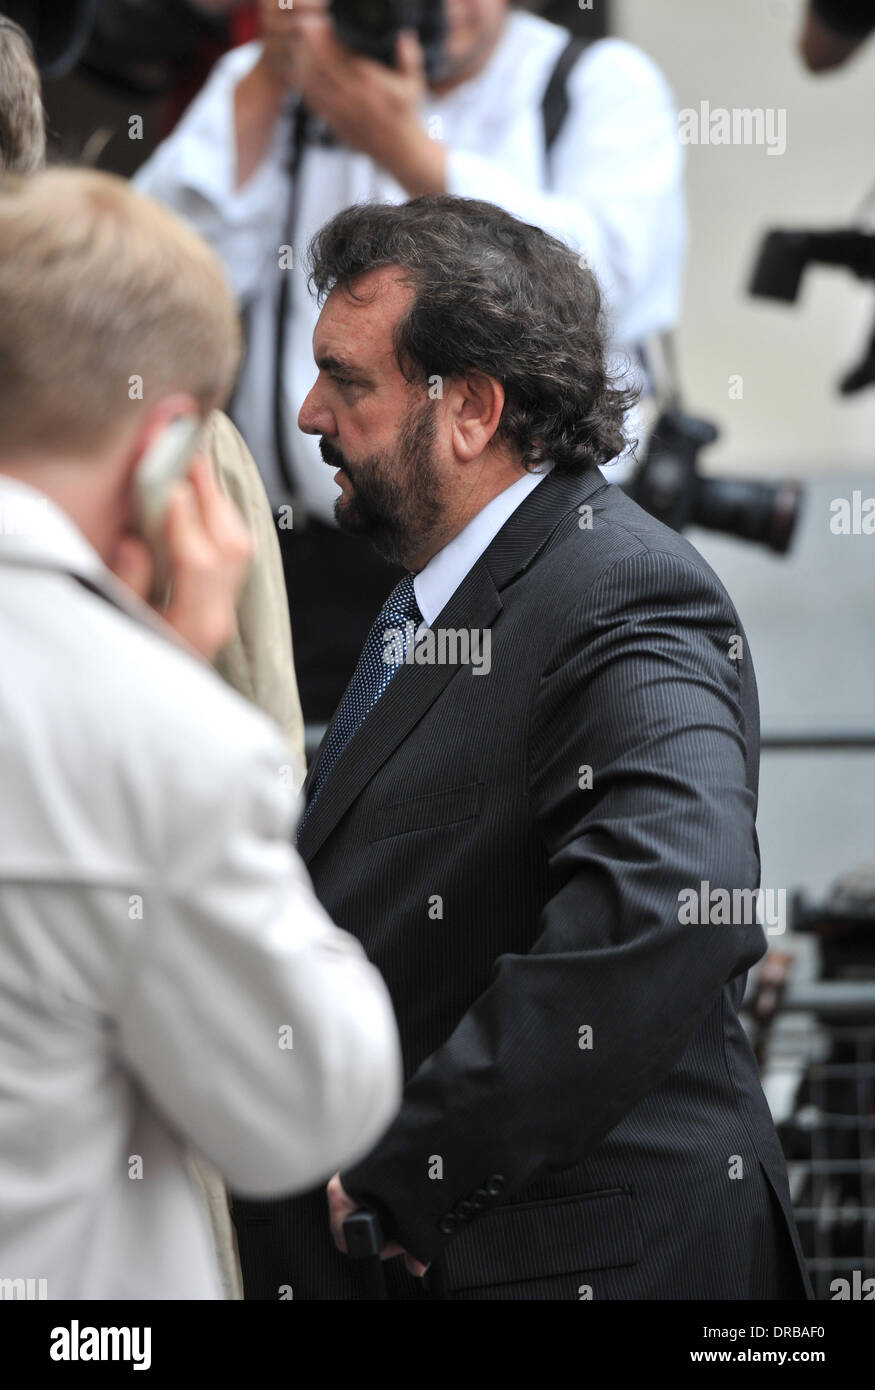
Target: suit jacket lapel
{"x": 413, "y": 689}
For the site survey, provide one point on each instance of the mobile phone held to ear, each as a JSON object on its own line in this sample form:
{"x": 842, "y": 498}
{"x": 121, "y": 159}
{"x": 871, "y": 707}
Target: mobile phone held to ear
{"x": 165, "y": 461}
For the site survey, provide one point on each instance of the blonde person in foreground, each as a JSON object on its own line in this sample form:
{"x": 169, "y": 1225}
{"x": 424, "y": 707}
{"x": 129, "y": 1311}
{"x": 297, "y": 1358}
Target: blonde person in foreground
{"x": 257, "y": 659}
{"x": 168, "y": 981}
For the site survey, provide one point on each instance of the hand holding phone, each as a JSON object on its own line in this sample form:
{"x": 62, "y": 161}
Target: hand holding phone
{"x": 192, "y": 530}
{"x": 163, "y": 464}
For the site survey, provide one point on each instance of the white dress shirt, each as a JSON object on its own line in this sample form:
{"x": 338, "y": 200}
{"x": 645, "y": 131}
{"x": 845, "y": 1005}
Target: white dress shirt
{"x": 436, "y": 583}
{"x": 157, "y": 933}
{"x": 612, "y": 191}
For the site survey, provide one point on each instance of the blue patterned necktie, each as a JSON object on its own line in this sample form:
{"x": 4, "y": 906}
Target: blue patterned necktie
{"x": 383, "y": 652}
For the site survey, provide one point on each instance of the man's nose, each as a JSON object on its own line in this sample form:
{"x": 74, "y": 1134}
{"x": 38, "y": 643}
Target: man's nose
{"x": 314, "y": 417}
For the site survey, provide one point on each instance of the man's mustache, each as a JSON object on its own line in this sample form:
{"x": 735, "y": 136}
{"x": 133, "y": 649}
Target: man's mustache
{"x": 330, "y": 455}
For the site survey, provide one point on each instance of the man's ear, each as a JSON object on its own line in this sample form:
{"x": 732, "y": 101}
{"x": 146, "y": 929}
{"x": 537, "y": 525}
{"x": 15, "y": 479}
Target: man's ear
{"x": 157, "y": 418}
{"x": 477, "y": 401}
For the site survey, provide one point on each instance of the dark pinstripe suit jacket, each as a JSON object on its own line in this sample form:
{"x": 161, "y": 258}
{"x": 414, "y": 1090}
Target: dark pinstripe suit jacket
{"x": 511, "y": 905}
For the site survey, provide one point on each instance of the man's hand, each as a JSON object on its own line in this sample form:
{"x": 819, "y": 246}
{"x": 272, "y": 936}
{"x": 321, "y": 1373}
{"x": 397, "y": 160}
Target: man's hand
{"x": 370, "y": 107}
{"x": 208, "y": 551}
{"x": 340, "y": 1206}
{"x": 259, "y": 96}
{"x": 281, "y": 34}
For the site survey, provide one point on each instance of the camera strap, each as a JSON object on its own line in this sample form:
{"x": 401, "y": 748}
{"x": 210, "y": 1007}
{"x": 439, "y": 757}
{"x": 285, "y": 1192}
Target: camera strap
{"x": 301, "y": 122}
{"x": 554, "y": 110}
{"x": 554, "y": 105}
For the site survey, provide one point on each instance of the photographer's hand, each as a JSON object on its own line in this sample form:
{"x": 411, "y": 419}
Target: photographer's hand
{"x": 370, "y": 107}
{"x": 260, "y": 95}
{"x": 281, "y": 32}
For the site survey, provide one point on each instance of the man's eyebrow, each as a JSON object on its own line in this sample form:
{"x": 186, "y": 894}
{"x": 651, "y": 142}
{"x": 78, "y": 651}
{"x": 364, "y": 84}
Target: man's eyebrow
{"x": 327, "y": 363}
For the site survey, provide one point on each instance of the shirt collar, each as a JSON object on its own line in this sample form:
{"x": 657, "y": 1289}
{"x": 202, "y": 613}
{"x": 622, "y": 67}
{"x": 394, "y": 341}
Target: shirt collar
{"x": 436, "y": 583}
{"x": 36, "y": 533}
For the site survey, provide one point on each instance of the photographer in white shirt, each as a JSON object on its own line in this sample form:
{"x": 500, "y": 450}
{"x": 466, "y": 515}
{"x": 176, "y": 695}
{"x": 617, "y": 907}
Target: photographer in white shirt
{"x": 168, "y": 980}
{"x": 611, "y": 187}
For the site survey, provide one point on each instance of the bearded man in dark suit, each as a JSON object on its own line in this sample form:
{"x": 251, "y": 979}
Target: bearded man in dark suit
{"x": 548, "y": 751}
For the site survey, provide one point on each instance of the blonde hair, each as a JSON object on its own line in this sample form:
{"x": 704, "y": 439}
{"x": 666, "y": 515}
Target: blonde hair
{"x": 108, "y": 302}
{"x": 22, "y": 123}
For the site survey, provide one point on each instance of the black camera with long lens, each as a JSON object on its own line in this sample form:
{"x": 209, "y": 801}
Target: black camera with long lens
{"x": 669, "y": 486}
{"x": 371, "y": 27}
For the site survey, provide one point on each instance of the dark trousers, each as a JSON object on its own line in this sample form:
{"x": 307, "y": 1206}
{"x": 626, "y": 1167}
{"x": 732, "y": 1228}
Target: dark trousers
{"x": 336, "y": 586}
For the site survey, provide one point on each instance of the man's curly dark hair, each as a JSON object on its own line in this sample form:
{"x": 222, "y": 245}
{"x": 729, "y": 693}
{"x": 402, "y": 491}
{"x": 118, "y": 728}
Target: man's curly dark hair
{"x": 492, "y": 294}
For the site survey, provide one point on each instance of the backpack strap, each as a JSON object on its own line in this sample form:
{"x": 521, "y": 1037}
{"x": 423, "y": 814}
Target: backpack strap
{"x": 554, "y": 109}
{"x": 554, "y": 106}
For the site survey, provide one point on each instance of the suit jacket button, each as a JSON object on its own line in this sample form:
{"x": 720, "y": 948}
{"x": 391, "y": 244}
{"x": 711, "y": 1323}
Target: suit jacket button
{"x": 447, "y": 1224}
{"x": 494, "y": 1185}
{"x": 465, "y": 1210}
{"x": 480, "y": 1199}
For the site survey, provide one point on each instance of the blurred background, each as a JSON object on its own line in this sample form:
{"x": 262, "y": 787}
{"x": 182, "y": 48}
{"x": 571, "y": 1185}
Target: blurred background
{"x": 809, "y": 614}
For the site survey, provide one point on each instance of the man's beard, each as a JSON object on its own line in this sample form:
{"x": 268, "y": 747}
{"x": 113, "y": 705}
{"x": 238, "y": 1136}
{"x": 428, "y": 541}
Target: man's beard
{"x": 396, "y": 497}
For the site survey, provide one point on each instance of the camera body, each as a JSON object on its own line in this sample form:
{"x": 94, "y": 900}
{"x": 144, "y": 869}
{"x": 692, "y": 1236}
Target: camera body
{"x": 371, "y": 27}
{"x": 669, "y": 486}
